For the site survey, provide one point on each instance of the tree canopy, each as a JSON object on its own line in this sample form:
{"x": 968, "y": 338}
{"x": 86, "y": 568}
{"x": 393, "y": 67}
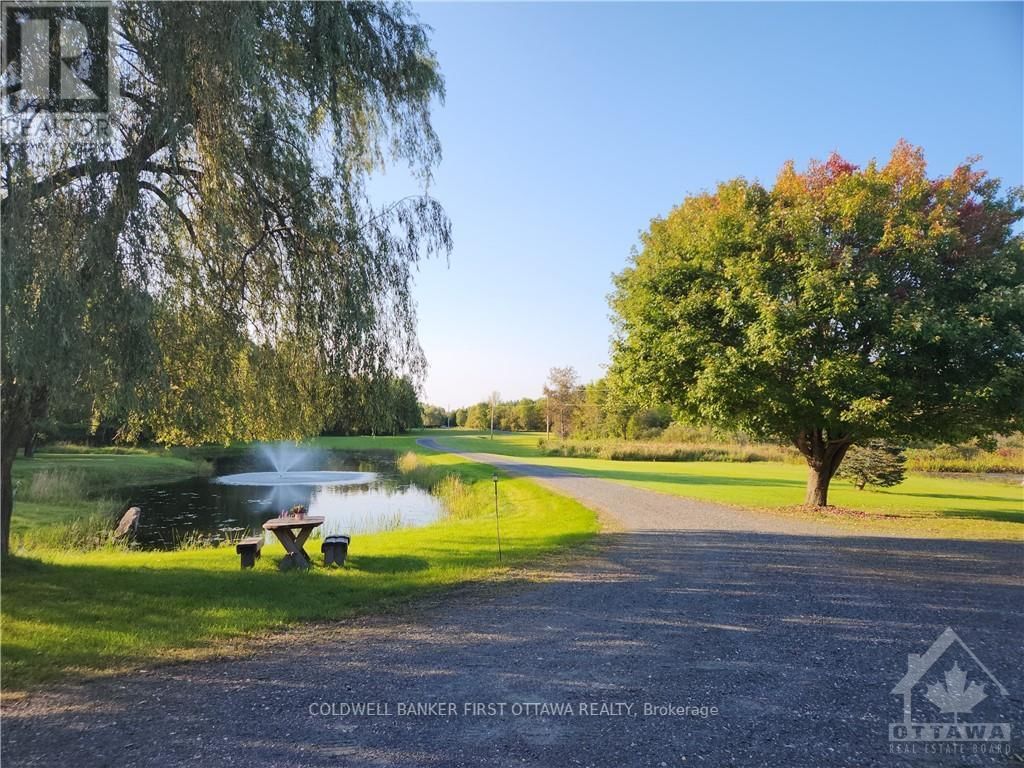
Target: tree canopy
{"x": 563, "y": 394}
{"x": 219, "y": 271}
{"x": 839, "y": 305}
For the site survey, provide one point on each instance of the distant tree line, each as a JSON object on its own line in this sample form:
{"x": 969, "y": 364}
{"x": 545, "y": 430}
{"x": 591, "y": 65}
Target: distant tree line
{"x": 568, "y": 409}
{"x": 383, "y": 405}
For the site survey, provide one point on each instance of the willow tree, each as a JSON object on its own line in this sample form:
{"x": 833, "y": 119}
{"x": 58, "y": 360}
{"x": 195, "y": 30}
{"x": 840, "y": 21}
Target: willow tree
{"x": 216, "y": 269}
{"x": 841, "y": 305}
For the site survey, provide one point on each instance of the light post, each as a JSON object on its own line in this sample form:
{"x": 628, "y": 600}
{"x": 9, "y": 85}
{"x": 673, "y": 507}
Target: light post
{"x": 497, "y": 525}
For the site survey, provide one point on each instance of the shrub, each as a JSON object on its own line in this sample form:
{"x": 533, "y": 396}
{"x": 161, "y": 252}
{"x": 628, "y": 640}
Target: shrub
{"x": 874, "y": 463}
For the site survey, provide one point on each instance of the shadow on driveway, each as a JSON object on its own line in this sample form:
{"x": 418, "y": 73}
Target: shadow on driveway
{"x": 797, "y": 640}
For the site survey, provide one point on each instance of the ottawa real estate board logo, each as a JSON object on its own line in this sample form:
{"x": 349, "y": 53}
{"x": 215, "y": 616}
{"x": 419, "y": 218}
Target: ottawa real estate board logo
{"x": 948, "y": 694}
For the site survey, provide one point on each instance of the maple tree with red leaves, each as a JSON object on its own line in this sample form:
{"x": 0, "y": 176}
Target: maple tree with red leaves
{"x": 839, "y": 306}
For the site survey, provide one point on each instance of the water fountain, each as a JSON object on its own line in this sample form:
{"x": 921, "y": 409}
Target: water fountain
{"x": 284, "y": 457}
{"x": 273, "y": 478}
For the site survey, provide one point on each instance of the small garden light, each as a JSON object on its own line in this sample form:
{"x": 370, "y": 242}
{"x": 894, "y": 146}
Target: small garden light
{"x": 497, "y": 525}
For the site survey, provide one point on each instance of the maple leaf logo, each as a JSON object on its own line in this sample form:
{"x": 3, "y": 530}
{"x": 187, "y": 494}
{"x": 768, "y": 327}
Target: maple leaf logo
{"x": 955, "y": 695}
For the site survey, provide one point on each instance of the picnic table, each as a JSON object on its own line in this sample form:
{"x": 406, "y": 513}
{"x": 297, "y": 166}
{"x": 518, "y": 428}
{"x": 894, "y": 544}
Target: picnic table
{"x": 292, "y": 532}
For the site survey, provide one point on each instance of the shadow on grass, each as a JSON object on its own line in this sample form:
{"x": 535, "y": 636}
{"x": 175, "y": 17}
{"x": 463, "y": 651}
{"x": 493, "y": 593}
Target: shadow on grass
{"x": 997, "y": 515}
{"x": 657, "y": 477}
{"x": 389, "y": 563}
{"x": 63, "y": 616}
{"x": 972, "y": 496}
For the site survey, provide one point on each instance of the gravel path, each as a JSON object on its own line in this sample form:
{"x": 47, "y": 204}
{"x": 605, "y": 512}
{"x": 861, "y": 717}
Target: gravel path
{"x": 784, "y": 637}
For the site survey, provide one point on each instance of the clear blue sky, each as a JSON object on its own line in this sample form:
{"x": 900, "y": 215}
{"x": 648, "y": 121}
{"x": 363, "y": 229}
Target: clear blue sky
{"x": 567, "y": 127}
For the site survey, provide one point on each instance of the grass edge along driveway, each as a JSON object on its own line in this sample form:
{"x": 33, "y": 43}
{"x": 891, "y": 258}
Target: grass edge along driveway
{"x": 922, "y": 506}
{"x": 75, "y": 614}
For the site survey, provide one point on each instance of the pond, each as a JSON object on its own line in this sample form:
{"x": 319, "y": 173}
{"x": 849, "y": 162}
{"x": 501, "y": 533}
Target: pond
{"x": 379, "y": 498}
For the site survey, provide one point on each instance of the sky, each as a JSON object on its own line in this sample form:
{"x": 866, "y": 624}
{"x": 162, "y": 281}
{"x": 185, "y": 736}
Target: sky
{"x": 567, "y": 127}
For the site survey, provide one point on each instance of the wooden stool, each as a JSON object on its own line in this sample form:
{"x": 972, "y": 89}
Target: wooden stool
{"x": 249, "y": 549}
{"x": 335, "y": 549}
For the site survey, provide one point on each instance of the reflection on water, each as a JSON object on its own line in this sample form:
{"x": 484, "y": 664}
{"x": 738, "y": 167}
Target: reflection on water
{"x": 355, "y": 510}
{"x": 202, "y": 506}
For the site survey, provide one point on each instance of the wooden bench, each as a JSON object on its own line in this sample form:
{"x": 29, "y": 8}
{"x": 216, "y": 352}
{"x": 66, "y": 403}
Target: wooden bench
{"x": 249, "y": 548}
{"x": 335, "y": 549}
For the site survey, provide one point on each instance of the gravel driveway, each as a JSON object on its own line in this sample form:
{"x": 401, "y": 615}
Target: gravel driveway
{"x": 692, "y": 634}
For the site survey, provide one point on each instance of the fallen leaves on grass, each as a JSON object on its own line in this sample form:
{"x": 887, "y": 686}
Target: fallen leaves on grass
{"x": 830, "y": 511}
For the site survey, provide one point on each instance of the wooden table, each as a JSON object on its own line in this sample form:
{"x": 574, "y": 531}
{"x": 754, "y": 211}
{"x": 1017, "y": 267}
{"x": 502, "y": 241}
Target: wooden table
{"x": 292, "y": 532}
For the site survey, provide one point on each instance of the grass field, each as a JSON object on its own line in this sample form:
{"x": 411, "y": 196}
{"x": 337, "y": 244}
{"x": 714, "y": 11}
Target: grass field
{"x": 75, "y": 613}
{"x": 523, "y": 444}
{"x": 929, "y": 505}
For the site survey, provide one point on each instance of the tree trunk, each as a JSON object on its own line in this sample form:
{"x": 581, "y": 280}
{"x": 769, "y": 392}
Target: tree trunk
{"x": 824, "y": 455}
{"x": 20, "y": 405}
{"x": 6, "y": 500}
{"x": 30, "y": 444}
{"x": 15, "y": 413}
{"x": 818, "y": 479}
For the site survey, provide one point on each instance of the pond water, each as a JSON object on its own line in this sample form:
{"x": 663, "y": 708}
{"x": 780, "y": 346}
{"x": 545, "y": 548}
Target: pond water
{"x": 378, "y": 498}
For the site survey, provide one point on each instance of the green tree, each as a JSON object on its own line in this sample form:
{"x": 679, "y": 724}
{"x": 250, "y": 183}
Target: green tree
{"x": 479, "y": 416}
{"x": 405, "y": 406}
{"x": 528, "y": 415}
{"x": 563, "y": 394}
{"x": 841, "y": 305}
{"x": 621, "y": 401}
{"x": 647, "y": 423}
{"x": 433, "y": 416}
{"x": 375, "y": 406}
{"x": 591, "y": 421}
{"x": 227, "y": 223}
{"x": 874, "y": 463}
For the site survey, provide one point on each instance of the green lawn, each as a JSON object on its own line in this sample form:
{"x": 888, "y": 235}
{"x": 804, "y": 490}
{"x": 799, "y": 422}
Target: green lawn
{"x": 77, "y": 613}
{"x": 506, "y": 443}
{"x": 922, "y": 505}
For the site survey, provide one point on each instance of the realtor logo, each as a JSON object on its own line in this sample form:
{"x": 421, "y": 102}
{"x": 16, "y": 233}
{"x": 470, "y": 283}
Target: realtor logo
{"x": 55, "y": 79}
{"x": 951, "y": 689}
